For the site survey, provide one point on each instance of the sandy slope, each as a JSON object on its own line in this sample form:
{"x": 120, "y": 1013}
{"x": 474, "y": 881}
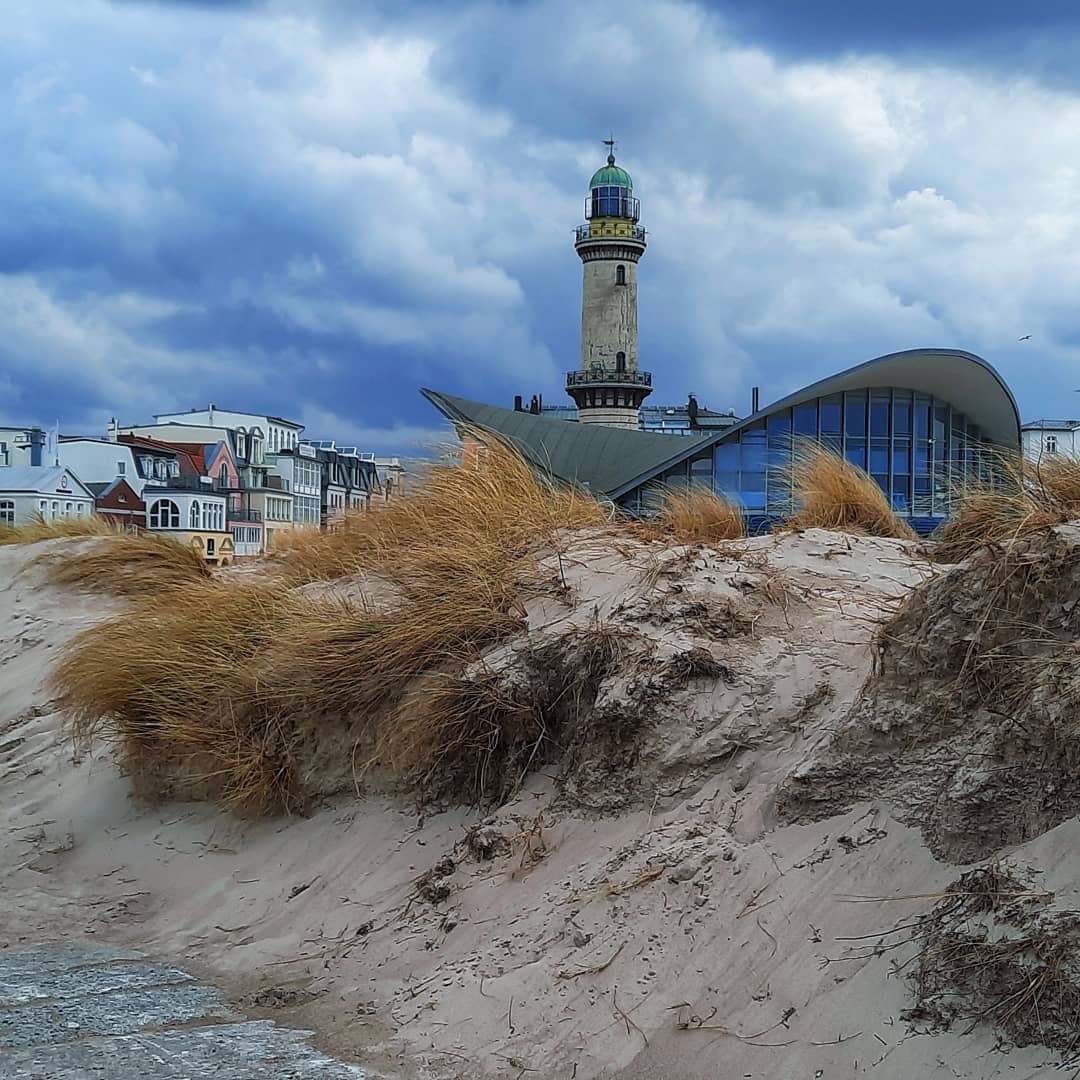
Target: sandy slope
{"x": 653, "y": 920}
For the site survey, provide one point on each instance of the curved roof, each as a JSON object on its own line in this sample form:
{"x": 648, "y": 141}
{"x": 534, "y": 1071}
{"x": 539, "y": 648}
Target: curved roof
{"x": 963, "y": 379}
{"x": 611, "y": 175}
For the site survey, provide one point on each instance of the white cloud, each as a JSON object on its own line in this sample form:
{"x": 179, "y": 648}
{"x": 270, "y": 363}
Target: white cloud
{"x": 405, "y": 188}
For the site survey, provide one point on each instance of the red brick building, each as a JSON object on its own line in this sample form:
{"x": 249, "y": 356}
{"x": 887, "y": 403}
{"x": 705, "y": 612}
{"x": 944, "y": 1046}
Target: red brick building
{"x": 118, "y": 504}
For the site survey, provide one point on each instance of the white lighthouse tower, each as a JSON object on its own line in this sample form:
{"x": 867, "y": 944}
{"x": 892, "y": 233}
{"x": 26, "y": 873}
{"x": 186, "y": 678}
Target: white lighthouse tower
{"x": 609, "y": 388}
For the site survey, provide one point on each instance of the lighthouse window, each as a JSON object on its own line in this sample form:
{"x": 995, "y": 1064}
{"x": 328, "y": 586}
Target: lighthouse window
{"x": 620, "y": 358}
{"x": 620, "y": 275}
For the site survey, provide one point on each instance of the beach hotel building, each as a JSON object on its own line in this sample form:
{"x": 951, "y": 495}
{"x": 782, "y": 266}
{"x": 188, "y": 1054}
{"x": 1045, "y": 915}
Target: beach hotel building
{"x": 922, "y": 422}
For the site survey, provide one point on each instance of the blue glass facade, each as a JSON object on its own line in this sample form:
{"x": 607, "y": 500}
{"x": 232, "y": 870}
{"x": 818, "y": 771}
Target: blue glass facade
{"x": 918, "y": 448}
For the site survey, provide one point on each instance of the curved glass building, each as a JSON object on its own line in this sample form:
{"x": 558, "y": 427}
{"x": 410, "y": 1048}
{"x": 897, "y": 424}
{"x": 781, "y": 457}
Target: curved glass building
{"x": 923, "y": 423}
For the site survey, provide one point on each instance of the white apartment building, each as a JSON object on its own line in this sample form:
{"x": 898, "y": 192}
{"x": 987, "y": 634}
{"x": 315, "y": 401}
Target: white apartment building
{"x": 279, "y": 433}
{"x": 23, "y": 446}
{"x": 1045, "y": 437}
{"x": 299, "y": 468}
{"x": 98, "y": 461}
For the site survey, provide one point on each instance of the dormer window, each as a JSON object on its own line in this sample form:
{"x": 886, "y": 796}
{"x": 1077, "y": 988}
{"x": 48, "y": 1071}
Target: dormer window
{"x": 174, "y": 468}
{"x": 241, "y": 443}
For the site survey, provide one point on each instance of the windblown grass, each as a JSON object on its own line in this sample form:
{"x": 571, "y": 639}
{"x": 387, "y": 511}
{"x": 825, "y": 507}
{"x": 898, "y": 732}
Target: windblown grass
{"x": 699, "y": 515}
{"x": 127, "y": 565}
{"x": 35, "y": 531}
{"x": 832, "y": 493}
{"x": 237, "y": 688}
{"x": 464, "y": 518}
{"x": 1023, "y": 497}
{"x": 182, "y": 688}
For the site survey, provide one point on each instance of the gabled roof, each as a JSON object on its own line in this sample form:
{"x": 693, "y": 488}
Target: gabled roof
{"x": 40, "y": 479}
{"x": 604, "y": 459}
{"x": 106, "y": 489}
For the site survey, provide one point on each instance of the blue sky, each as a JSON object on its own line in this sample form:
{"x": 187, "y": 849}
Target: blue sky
{"x": 315, "y": 208}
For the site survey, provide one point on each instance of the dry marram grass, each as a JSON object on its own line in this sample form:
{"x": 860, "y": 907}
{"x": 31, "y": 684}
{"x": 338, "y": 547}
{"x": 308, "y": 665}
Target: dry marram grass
{"x": 35, "y": 531}
{"x": 699, "y": 515}
{"x": 1021, "y": 498}
{"x": 127, "y": 565}
{"x": 230, "y": 686}
{"x": 832, "y": 493}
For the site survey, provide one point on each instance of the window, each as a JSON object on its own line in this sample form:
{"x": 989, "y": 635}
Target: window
{"x": 855, "y": 414}
{"x": 620, "y": 275}
{"x": 67, "y": 509}
{"x": 223, "y": 476}
{"x": 210, "y": 545}
{"x": 161, "y": 470}
{"x": 121, "y": 468}
{"x": 831, "y": 415}
{"x": 80, "y": 509}
{"x": 193, "y": 515}
{"x": 43, "y": 507}
{"x": 241, "y": 443}
{"x": 1051, "y": 444}
{"x": 806, "y": 419}
{"x": 174, "y": 468}
{"x": 7, "y": 512}
{"x": 164, "y": 514}
{"x": 55, "y": 509}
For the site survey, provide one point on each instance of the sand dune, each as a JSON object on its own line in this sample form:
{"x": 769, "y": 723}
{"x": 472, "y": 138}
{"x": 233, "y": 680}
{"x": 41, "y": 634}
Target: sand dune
{"x": 669, "y": 900}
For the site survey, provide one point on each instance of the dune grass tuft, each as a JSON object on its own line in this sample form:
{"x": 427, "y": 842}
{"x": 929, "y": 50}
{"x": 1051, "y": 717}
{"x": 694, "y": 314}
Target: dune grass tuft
{"x": 127, "y": 565}
{"x": 34, "y": 532}
{"x": 832, "y": 493}
{"x": 699, "y": 515}
{"x": 233, "y": 687}
{"x": 1021, "y": 498}
{"x": 463, "y": 516}
{"x": 180, "y": 688}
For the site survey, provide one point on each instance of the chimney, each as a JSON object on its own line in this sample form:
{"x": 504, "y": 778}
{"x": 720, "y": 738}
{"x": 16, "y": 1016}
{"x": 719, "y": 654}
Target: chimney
{"x": 37, "y": 446}
{"x": 114, "y": 429}
{"x": 754, "y": 399}
{"x": 517, "y": 403}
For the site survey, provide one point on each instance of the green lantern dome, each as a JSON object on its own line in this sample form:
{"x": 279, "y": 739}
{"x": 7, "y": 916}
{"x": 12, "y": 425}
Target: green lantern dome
{"x": 611, "y": 175}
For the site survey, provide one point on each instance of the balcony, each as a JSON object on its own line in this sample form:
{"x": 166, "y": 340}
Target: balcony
{"x": 603, "y": 377}
{"x": 603, "y": 232}
{"x": 185, "y": 483}
{"x": 238, "y": 517}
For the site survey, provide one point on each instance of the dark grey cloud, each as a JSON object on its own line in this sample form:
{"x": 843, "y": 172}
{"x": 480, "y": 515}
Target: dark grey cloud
{"x": 314, "y": 209}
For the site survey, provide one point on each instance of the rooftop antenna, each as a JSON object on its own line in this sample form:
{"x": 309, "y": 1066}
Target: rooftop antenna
{"x": 610, "y": 144}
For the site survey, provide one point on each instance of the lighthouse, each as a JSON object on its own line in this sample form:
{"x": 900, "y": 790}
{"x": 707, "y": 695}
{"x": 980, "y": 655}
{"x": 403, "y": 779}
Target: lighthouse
{"x": 609, "y": 388}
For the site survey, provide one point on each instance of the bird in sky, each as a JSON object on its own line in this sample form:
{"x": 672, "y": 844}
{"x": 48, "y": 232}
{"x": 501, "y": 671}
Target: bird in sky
{"x": 1026, "y": 337}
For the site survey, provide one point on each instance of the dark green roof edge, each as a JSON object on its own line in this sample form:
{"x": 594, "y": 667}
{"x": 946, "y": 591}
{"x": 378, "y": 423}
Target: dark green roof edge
{"x": 606, "y": 460}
